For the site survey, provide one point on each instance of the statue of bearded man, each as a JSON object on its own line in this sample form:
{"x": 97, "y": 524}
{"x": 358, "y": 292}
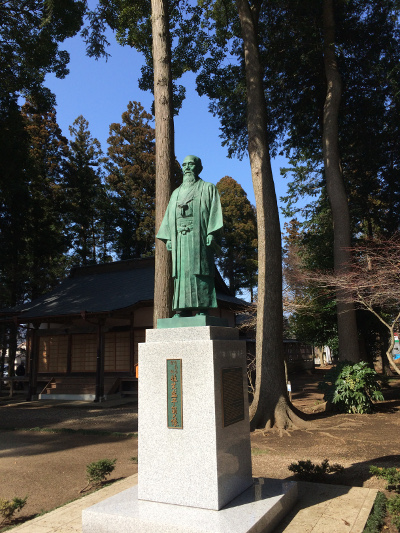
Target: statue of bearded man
{"x": 191, "y": 229}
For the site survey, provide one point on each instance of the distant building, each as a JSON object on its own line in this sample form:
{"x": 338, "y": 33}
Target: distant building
{"x": 298, "y": 355}
{"x": 83, "y": 336}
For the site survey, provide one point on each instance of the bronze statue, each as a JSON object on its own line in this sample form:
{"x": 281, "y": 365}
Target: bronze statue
{"x": 190, "y": 230}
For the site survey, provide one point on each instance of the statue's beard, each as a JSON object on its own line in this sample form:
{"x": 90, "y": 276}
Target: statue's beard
{"x": 189, "y": 178}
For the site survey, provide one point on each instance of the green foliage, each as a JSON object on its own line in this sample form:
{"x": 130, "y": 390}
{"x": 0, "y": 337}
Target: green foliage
{"x": 393, "y": 508}
{"x": 87, "y": 203}
{"x": 130, "y": 177}
{"x": 130, "y": 167}
{"x": 9, "y": 507}
{"x": 308, "y": 471}
{"x": 391, "y": 475}
{"x": 29, "y": 37}
{"x": 238, "y": 258}
{"x": 46, "y": 255}
{"x": 352, "y": 387}
{"x": 32, "y": 236}
{"x": 393, "y": 505}
{"x": 309, "y": 247}
{"x": 377, "y": 517}
{"x": 396, "y": 522}
{"x": 14, "y": 196}
{"x": 370, "y": 89}
{"x": 97, "y": 471}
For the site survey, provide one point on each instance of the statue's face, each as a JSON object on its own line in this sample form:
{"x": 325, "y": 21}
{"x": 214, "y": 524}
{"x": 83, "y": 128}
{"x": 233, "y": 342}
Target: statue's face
{"x": 189, "y": 166}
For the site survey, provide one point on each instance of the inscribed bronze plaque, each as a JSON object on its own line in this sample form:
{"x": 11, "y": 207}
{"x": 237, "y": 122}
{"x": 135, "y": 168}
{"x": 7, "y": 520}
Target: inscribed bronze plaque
{"x": 232, "y": 395}
{"x": 174, "y": 393}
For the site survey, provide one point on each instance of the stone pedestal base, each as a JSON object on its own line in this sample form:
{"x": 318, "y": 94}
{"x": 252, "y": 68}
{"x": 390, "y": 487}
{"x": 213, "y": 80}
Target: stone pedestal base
{"x": 259, "y": 508}
{"x": 206, "y": 461}
{"x": 194, "y": 443}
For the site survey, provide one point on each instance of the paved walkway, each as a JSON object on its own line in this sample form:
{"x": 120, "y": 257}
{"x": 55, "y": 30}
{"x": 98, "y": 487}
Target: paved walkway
{"x": 320, "y": 509}
{"x": 329, "y": 509}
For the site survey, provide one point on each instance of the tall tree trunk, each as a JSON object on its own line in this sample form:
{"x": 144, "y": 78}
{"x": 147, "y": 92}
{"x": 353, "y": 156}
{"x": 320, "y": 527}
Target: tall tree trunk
{"x": 271, "y": 406}
{"x": 346, "y": 315}
{"x": 165, "y": 157}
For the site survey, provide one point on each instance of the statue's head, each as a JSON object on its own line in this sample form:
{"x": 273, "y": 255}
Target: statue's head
{"x": 192, "y": 165}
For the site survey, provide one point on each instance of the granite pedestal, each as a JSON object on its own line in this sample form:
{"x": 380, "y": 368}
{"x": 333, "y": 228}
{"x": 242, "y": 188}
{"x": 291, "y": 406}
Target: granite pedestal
{"x": 206, "y": 463}
{"x": 195, "y": 470}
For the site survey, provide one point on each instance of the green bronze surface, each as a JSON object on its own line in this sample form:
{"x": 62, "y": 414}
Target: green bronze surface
{"x": 191, "y": 231}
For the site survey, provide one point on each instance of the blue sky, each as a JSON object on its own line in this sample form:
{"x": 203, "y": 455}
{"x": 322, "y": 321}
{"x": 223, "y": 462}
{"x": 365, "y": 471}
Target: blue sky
{"x": 100, "y": 91}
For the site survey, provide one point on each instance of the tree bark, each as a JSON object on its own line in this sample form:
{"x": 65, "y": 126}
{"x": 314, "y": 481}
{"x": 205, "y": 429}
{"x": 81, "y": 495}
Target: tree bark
{"x": 346, "y": 315}
{"x": 271, "y": 406}
{"x": 165, "y": 157}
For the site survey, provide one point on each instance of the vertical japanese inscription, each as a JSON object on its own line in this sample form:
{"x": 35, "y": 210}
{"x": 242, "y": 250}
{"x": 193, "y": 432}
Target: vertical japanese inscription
{"x": 232, "y": 396}
{"x": 174, "y": 393}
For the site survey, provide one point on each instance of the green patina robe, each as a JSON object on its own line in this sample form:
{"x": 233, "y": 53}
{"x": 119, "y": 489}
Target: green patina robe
{"x": 187, "y": 228}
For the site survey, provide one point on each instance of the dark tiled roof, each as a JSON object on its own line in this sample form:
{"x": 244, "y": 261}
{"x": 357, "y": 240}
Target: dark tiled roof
{"x": 105, "y": 288}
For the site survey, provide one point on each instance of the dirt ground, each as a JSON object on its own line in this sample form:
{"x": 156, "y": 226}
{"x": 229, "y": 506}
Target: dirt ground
{"x": 50, "y": 467}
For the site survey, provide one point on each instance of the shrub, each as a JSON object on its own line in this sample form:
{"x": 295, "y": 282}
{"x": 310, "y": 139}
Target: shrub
{"x": 391, "y": 475}
{"x": 377, "y": 517}
{"x": 352, "y": 387}
{"x": 9, "y": 507}
{"x": 393, "y": 507}
{"x": 308, "y": 471}
{"x": 97, "y": 471}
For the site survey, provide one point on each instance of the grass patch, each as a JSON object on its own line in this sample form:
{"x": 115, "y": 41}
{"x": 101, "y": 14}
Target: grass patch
{"x": 259, "y": 451}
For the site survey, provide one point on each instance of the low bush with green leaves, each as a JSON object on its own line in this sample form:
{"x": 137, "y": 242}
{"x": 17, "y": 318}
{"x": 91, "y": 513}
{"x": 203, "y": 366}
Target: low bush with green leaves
{"x": 9, "y": 507}
{"x": 391, "y": 475}
{"x": 97, "y": 471}
{"x": 352, "y": 388}
{"x": 308, "y": 471}
{"x": 393, "y": 507}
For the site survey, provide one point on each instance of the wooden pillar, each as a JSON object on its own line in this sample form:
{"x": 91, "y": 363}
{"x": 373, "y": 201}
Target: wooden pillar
{"x": 100, "y": 362}
{"x": 33, "y": 363}
{"x": 69, "y": 354}
{"x": 132, "y": 347}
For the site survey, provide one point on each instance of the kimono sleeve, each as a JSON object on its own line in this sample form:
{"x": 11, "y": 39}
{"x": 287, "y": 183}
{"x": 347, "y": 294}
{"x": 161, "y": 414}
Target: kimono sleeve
{"x": 215, "y": 220}
{"x": 164, "y": 233}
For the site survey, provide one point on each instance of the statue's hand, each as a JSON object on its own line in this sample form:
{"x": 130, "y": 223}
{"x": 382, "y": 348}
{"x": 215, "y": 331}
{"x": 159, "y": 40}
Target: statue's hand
{"x": 213, "y": 244}
{"x": 169, "y": 246}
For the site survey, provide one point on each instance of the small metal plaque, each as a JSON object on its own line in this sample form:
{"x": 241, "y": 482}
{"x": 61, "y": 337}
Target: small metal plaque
{"x": 232, "y": 395}
{"x": 174, "y": 393}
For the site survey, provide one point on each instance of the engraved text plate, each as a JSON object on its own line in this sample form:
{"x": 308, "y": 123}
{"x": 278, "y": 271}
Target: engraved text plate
{"x": 232, "y": 395}
{"x": 174, "y": 393}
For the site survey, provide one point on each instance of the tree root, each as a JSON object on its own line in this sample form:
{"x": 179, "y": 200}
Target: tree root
{"x": 283, "y": 419}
